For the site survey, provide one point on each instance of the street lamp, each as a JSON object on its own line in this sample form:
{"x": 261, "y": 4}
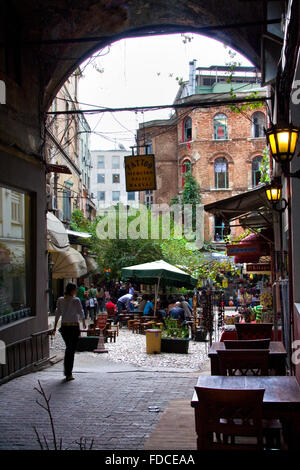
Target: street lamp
{"x": 273, "y": 193}
{"x": 283, "y": 141}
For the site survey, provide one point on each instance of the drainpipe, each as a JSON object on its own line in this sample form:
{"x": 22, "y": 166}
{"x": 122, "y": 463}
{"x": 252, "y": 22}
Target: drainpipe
{"x": 192, "y": 77}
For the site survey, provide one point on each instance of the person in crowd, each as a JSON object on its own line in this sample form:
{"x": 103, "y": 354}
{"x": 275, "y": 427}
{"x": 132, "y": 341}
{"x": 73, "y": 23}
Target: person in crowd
{"x": 190, "y": 299}
{"x": 100, "y": 296}
{"x": 163, "y": 306}
{"x": 70, "y": 309}
{"x": 171, "y": 304}
{"x": 130, "y": 289}
{"x": 123, "y": 290}
{"x": 111, "y": 307}
{"x": 106, "y": 295}
{"x": 188, "y": 312}
{"x": 142, "y": 303}
{"x": 124, "y": 304}
{"x": 81, "y": 293}
{"x": 177, "y": 312}
{"x": 149, "y": 307}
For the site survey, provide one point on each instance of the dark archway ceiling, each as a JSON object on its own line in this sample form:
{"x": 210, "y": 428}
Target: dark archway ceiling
{"x": 60, "y": 20}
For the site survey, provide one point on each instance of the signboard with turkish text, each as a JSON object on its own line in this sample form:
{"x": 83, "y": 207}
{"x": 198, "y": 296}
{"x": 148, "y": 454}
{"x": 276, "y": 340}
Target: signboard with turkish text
{"x": 140, "y": 172}
{"x": 241, "y": 249}
{"x": 259, "y": 267}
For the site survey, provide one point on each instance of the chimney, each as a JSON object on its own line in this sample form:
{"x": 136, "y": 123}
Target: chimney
{"x": 192, "y": 77}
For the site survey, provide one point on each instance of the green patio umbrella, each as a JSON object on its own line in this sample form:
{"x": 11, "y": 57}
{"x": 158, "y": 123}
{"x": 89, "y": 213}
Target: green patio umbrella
{"x": 158, "y": 273}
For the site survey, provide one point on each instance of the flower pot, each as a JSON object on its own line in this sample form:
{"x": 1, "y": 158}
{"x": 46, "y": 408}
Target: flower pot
{"x": 201, "y": 334}
{"x": 175, "y": 345}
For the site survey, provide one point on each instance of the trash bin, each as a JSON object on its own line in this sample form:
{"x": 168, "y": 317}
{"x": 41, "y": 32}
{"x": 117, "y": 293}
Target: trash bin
{"x": 153, "y": 341}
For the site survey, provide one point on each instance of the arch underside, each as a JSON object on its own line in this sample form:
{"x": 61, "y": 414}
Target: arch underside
{"x": 57, "y": 30}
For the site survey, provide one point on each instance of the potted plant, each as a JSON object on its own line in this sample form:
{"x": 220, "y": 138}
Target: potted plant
{"x": 175, "y": 339}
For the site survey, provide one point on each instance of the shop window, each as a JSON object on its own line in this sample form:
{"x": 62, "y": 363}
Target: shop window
{"x": 116, "y": 178}
{"x": 220, "y": 127}
{"x": 256, "y": 172}
{"x": 219, "y": 229}
{"x": 187, "y": 129}
{"x": 221, "y": 173}
{"x": 15, "y": 255}
{"x": 100, "y": 178}
{"x": 258, "y": 124}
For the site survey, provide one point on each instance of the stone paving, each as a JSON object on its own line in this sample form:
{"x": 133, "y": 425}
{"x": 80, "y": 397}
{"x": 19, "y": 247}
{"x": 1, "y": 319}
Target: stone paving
{"x": 108, "y": 401}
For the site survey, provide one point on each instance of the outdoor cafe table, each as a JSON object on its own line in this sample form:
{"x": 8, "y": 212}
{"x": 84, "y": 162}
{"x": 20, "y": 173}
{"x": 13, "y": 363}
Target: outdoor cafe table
{"x": 277, "y": 357}
{"x": 281, "y": 398}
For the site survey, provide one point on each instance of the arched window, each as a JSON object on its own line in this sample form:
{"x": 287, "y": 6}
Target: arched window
{"x": 258, "y": 123}
{"x": 187, "y": 129}
{"x": 185, "y": 166}
{"x": 220, "y": 127}
{"x": 221, "y": 173}
{"x": 256, "y": 173}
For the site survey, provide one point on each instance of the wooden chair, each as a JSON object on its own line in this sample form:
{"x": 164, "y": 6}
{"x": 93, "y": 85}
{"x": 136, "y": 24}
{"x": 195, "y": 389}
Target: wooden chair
{"x": 254, "y": 330}
{"x": 243, "y": 361}
{"x": 226, "y": 415}
{"x": 247, "y": 344}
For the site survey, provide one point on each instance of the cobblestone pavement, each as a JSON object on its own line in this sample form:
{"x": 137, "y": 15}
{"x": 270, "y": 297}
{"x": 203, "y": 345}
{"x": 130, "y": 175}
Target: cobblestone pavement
{"x": 108, "y": 401}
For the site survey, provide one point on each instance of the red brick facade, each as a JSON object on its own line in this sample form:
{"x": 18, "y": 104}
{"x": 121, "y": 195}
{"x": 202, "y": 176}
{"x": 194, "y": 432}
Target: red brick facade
{"x": 170, "y": 149}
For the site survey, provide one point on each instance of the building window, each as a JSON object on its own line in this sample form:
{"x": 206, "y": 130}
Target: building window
{"x": 219, "y": 229}
{"x": 185, "y": 167}
{"x": 15, "y": 255}
{"x": 148, "y": 197}
{"x": 258, "y": 123}
{"x": 187, "y": 129}
{"x": 220, "y": 127}
{"x": 101, "y": 196}
{"x": 100, "y": 178}
{"x": 149, "y": 147}
{"x": 100, "y": 163}
{"x": 131, "y": 196}
{"x": 116, "y": 178}
{"x": 116, "y": 195}
{"x": 116, "y": 162}
{"x": 256, "y": 173}
{"x": 221, "y": 173}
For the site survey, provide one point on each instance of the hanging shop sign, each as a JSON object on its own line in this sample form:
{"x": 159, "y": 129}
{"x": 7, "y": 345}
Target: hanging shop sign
{"x": 243, "y": 249}
{"x": 140, "y": 172}
{"x": 259, "y": 267}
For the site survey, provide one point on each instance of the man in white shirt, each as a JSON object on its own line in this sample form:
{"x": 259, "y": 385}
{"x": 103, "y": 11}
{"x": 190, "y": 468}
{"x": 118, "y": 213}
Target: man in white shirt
{"x": 124, "y": 304}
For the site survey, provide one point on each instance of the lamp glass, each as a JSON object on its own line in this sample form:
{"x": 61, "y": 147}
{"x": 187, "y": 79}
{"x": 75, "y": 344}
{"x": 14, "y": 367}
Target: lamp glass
{"x": 283, "y": 142}
{"x": 273, "y": 194}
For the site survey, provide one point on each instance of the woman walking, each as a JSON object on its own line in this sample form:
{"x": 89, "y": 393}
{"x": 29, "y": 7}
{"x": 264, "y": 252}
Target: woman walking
{"x": 69, "y": 308}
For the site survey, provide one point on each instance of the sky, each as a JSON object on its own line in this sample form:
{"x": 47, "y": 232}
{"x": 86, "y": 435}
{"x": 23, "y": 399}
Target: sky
{"x": 141, "y": 72}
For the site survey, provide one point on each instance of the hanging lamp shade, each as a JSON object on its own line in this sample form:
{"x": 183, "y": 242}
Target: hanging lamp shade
{"x": 282, "y": 141}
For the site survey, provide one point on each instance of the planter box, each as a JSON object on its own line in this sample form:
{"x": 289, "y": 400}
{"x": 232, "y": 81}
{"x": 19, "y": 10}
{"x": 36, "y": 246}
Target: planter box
{"x": 172, "y": 345}
{"x": 87, "y": 343}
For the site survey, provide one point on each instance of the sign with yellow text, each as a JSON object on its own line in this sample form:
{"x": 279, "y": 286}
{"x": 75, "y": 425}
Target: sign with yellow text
{"x": 140, "y": 172}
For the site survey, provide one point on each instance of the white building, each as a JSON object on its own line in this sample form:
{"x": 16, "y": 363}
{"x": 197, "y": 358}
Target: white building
{"x": 108, "y": 179}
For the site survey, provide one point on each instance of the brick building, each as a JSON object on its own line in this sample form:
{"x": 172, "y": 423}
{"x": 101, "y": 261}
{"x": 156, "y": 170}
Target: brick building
{"x": 223, "y": 147}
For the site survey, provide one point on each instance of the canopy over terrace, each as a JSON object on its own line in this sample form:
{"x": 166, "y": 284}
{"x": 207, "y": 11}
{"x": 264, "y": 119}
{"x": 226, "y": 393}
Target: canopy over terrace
{"x": 252, "y": 208}
{"x": 150, "y": 273}
{"x": 159, "y": 273}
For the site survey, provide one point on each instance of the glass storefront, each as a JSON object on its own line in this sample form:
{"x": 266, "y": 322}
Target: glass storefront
{"x": 14, "y": 255}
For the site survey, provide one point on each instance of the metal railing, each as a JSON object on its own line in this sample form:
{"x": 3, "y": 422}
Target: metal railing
{"x": 23, "y": 354}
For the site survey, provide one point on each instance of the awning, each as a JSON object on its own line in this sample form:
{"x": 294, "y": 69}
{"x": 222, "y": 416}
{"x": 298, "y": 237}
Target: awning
{"x": 252, "y": 247}
{"x": 57, "y": 237}
{"x": 91, "y": 264}
{"x": 149, "y": 273}
{"x": 68, "y": 264}
{"x": 78, "y": 234}
{"x": 233, "y": 207}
